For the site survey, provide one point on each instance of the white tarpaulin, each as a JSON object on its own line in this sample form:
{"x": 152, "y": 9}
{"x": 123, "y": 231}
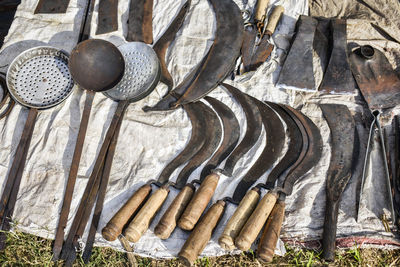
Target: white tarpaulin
{"x": 148, "y": 141}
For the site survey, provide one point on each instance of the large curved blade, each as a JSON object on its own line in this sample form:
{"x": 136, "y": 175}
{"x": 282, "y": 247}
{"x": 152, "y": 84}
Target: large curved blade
{"x": 162, "y": 44}
{"x": 230, "y": 139}
{"x": 295, "y": 145}
{"x": 223, "y": 53}
{"x": 195, "y": 112}
{"x": 312, "y": 155}
{"x": 253, "y": 130}
{"x": 212, "y": 135}
{"x": 274, "y": 138}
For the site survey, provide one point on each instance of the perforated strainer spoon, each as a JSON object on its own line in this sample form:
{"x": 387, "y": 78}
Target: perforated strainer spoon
{"x": 37, "y": 79}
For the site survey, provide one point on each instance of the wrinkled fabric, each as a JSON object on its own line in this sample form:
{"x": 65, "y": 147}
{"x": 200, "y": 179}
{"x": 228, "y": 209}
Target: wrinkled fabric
{"x": 148, "y": 141}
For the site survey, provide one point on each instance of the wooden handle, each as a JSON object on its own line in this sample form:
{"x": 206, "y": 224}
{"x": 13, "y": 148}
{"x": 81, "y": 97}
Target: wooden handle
{"x": 199, "y": 202}
{"x": 330, "y": 227}
{"x": 168, "y": 221}
{"x": 274, "y": 19}
{"x": 270, "y": 235}
{"x": 256, "y": 221}
{"x": 201, "y": 234}
{"x": 114, "y": 227}
{"x": 261, "y": 10}
{"x": 238, "y": 219}
{"x": 142, "y": 220}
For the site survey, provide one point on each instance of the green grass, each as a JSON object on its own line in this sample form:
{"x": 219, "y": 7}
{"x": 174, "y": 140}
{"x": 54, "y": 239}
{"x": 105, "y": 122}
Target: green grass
{"x": 29, "y": 250}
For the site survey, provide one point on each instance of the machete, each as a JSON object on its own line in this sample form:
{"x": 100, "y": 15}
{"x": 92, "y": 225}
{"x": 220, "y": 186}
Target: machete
{"x": 231, "y": 136}
{"x": 300, "y": 54}
{"x": 51, "y": 6}
{"x": 207, "y": 187}
{"x": 380, "y": 87}
{"x": 273, "y": 225}
{"x": 338, "y": 78}
{"x": 140, "y": 20}
{"x": 343, "y": 140}
{"x": 222, "y": 54}
{"x": 195, "y": 113}
{"x": 274, "y": 143}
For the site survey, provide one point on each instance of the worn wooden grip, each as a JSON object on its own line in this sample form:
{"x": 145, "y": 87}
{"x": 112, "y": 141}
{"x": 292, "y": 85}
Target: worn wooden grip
{"x": 274, "y": 19}
{"x": 254, "y": 224}
{"x": 261, "y": 9}
{"x": 168, "y": 221}
{"x": 114, "y": 227}
{"x": 201, "y": 234}
{"x": 199, "y": 202}
{"x": 238, "y": 219}
{"x": 270, "y": 235}
{"x": 142, "y": 220}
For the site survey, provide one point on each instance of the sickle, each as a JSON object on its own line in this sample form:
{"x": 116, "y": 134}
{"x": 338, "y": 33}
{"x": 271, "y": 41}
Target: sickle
{"x": 162, "y": 44}
{"x": 223, "y": 53}
{"x": 197, "y": 113}
{"x": 295, "y": 134}
{"x": 274, "y": 137}
{"x": 212, "y": 136}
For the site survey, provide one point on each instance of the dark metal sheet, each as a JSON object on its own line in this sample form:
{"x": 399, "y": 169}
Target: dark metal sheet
{"x": 212, "y": 135}
{"x": 162, "y": 44}
{"x": 52, "y": 6}
{"x": 107, "y": 16}
{"x": 140, "y": 20}
{"x": 253, "y": 130}
{"x": 230, "y": 139}
{"x": 274, "y": 138}
{"x": 297, "y": 70}
{"x": 223, "y": 53}
{"x": 195, "y": 112}
{"x": 338, "y": 78}
{"x": 378, "y": 82}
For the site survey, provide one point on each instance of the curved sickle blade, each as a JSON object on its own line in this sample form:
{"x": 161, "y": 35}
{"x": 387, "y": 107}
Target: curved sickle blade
{"x": 161, "y": 46}
{"x": 312, "y": 155}
{"x": 195, "y": 112}
{"x": 212, "y": 136}
{"x": 274, "y": 137}
{"x": 223, "y": 53}
{"x": 295, "y": 145}
{"x": 378, "y": 82}
{"x": 253, "y": 130}
{"x": 166, "y": 103}
{"x": 342, "y": 128}
{"x": 230, "y": 139}
{"x": 140, "y": 22}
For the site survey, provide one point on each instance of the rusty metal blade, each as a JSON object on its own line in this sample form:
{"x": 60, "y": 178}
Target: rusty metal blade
{"x": 261, "y": 54}
{"x": 223, "y": 53}
{"x": 311, "y": 157}
{"x": 7, "y": 12}
{"x": 249, "y": 38}
{"x": 379, "y": 84}
{"x": 107, "y": 16}
{"x": 51, "y": 6}
{"x": 162, "y": 44}
{"x": 341, "y": 124}
{"x": 338, "y": 78}
{"x": 212, "y": 135}
{"x": 230, "y": 139}
{"x": 140, "y": 27}
{"x": 253, "y": 130}
{"x": 295, "y": 135}
{"x": 166, "y": 103}
{"x": 195, "y": 112}
{"x": 297, "y": 70}
{"x": 274, "y": 138}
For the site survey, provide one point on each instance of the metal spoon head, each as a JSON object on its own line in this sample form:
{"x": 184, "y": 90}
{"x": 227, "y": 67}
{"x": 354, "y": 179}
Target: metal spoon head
{"x": 96, "y": 65}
